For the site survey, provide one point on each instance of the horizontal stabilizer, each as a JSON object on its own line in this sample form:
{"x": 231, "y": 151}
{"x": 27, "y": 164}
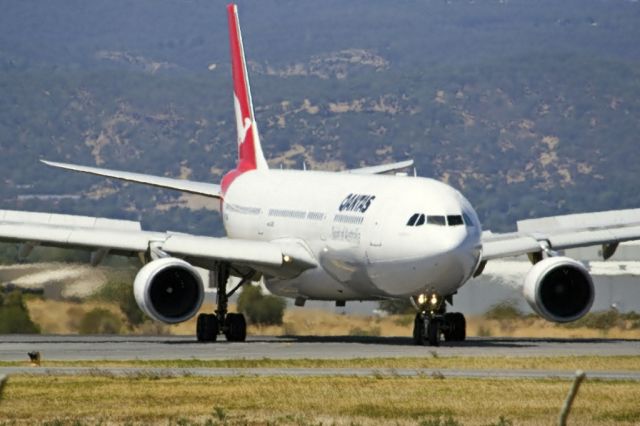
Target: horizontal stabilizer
{"x": 200, "y": 188}
{"x": 383, "y": 168}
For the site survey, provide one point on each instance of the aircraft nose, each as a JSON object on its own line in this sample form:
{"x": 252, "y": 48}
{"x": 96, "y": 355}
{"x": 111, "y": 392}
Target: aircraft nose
{"x": 458, "y": 250}
{"x": 454, "y": 239}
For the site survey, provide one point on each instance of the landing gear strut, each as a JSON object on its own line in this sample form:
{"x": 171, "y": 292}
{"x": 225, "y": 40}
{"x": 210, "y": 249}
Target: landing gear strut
{"x": 430, "y": 325}
{"x": 233, "y": 326}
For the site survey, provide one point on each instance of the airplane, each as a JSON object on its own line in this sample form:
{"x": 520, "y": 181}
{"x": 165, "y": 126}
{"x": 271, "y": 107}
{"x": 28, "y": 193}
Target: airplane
{"x": 360, "y": 234}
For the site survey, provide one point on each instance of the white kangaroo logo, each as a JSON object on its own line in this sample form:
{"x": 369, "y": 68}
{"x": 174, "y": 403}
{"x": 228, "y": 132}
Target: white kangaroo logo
{"x": 243, "y": 128}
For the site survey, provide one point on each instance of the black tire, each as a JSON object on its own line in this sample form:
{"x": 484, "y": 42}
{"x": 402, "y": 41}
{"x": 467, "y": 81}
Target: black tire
{"x": 200, "y": 328}
{"x": 433, "y": 333}
{"x": 207, "y": 328}
{"x": 235, "y": 329}
{"x": 450, "y": 329}
{"x": 419, "y": 331}
{"x": 460, "y": 327}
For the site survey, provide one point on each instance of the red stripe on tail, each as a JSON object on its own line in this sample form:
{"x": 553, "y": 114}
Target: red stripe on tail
{"x": 250, "y": 155}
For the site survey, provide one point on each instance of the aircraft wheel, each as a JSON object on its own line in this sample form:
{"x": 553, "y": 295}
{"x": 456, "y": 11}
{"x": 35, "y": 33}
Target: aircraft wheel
{"x": 419, "y": 330}
{"x": 449, "y": 330}
{"x": 207, "y": 328}
{"x": 235, "y": 328}
{"x": 460, "y": 327}
{"x": 433, "y": 332}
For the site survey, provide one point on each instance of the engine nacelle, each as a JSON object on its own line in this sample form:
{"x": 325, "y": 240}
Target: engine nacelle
{"x": 169, "y": 290}
{"x": 559, "y": 289}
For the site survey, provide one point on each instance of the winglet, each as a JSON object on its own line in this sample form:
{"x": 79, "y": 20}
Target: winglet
{"x": 250, "y": 154}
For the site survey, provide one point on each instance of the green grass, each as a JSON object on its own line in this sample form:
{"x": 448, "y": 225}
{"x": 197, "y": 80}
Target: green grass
{"x": 587, "y": 363}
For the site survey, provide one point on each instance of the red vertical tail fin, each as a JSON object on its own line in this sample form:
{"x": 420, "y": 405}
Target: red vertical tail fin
{"x": 250, "y": 154}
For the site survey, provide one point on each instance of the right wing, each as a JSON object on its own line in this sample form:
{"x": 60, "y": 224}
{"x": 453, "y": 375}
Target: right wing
{"x": 608, "y": 228}
{"x": 278, "y": 258}
{"x": 200, "y": 188}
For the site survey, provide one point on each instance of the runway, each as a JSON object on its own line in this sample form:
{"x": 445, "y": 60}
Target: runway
{"x": 15, "y": 347}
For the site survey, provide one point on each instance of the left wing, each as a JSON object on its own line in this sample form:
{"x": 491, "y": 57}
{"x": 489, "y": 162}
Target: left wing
{"x": 200, "y": 188}
{"x": 101, "y": 236}
{"x": 534, "y": 236}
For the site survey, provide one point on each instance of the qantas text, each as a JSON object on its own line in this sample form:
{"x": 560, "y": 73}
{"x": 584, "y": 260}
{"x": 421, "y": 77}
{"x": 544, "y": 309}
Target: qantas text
{"x": 358, "y": 203}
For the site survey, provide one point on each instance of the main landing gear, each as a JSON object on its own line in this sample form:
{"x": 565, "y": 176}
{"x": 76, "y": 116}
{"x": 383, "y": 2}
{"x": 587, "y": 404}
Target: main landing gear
{"x": 432, "y": 322}
{"x": 233, "y": 326}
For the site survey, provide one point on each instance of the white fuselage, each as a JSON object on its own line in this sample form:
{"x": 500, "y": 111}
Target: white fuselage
{"x": 356, "y": 228}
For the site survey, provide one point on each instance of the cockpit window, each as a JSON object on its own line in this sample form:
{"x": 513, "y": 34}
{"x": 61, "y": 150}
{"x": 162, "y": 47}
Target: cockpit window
{"x": 436, "y": 220}
{"x": 421, "y": 220}
{"x": 412, "y": 219}
{"x": 455, "y": 220}
{"x": 467, "y": 219}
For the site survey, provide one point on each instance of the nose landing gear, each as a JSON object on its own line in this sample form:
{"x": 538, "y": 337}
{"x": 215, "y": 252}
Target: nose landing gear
{"x": 432, "y": 322}
{"x": 426, "y": 330}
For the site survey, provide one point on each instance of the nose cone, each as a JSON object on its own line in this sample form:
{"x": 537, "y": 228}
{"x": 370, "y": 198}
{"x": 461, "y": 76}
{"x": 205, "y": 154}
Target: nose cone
{"x": 454, "y": 257}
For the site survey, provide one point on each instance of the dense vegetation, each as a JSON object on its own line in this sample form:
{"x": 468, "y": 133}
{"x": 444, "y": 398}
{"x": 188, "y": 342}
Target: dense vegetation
{"x": 14, "y": 316}
{"x": 528, "y": 108}
{"x": 261, "y": 309}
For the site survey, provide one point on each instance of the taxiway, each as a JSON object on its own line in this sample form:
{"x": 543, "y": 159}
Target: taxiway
{"x": 124, "y": 348}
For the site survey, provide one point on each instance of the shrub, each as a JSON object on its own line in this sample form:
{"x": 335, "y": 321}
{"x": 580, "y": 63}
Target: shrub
{"x": 261, "y": 309}
{"x": 484, "y": 331}
{"x": 404, "y": 320}
{"x": 603, "y": 320}
{"x": 121, "y": 292}
{"x": 506, "y": 310}
{"x": 100, "y": 321}
{"x": 14, "y": 316}
{"x": 370, "y": 332}
{"x": 397, "y": 306}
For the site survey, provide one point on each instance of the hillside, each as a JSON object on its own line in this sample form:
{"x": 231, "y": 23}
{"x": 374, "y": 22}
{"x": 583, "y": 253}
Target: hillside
{"x": 527, "y": 109}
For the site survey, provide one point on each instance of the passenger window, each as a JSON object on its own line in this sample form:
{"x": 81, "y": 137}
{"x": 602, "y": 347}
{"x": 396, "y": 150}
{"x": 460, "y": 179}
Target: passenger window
{"x": 467, "y": 219}
{"x": 455, "y": 220}
{"x": 412, "y": 219}
{"x": 436, "y": 220}
{"x": 421, "y": 220}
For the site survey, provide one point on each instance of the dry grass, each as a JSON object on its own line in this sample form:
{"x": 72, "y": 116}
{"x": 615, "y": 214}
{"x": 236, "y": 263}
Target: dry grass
{"x": 59, "y": 317}
{"x": 56, "y": 317}
{"x": 321, "y": 323}
{"x": 285, "y": 400}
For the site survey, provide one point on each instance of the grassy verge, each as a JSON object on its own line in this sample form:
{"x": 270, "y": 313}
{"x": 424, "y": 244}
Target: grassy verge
{"x": 65, "y": 317}
{"x": 569, "y": 363}
{"x": 291, "y": 400}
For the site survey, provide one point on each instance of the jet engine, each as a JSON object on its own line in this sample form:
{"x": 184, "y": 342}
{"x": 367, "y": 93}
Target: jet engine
{"x": 169, "y": 290}
{"x": 559, "y": 289}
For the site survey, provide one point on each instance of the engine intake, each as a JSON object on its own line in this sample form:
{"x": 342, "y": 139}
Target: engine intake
{"x": 169, "y": 290}
{"x": 559, "y": 289}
